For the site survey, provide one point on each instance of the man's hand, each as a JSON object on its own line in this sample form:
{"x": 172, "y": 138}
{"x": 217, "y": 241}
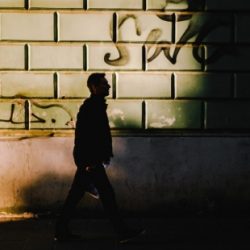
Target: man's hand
{"x": 89, "y": 168}
{"x": 106, "y": 163}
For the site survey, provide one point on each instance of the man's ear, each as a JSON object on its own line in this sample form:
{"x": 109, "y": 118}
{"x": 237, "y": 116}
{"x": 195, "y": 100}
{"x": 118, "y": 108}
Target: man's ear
{"x": 93, "y": 89}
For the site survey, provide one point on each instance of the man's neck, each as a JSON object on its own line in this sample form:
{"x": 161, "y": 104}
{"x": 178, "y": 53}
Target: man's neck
{"x": 98, "y": 97}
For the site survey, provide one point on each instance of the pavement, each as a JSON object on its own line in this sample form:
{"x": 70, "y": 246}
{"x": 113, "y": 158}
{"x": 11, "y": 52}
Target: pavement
{"x": 161, "y": 234}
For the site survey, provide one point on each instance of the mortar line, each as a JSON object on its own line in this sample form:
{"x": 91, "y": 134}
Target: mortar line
{"x": 27, "y": 56}
{"x": 56, "y": 26}
{"x": 114, "y": 83}
{"x": 27, "y": 4}
{"x": 27, "y": 110}
{"x": 56, "y": 85}
{"x": 114, "y": 28}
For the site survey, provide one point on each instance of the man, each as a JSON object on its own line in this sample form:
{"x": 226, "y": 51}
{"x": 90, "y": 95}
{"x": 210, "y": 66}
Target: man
{"x": 93, "y": 149}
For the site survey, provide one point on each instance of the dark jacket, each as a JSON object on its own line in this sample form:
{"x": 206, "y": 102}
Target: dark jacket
{"x": 93, "y": 142}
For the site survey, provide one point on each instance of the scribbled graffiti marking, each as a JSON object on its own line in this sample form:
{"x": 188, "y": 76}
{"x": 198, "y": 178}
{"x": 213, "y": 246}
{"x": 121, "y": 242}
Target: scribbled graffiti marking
{"x": 37, "y": 118}
{"x": 11, "y": 118}
{"x": 201, "y": 24}
{"x": 123, "y": 19}
{"x": 123, "y": 57}
{"x": 122, "y": 60}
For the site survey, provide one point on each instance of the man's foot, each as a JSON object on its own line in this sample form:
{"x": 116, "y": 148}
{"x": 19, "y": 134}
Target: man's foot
{"x": 67, "y": 237}
{"x": 131, "y": 235}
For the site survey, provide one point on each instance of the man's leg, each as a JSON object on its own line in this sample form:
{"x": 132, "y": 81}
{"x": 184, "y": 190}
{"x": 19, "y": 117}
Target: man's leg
{"x": 75, "y": 194}
{"x": 107, "y": 195}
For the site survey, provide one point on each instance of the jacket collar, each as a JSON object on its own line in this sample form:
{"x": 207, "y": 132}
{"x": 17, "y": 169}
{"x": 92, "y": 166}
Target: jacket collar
{"x": 99, "y": 100}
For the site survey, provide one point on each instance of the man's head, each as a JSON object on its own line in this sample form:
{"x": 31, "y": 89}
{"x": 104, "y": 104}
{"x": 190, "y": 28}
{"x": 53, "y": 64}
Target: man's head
{"x": 98, "y": 84}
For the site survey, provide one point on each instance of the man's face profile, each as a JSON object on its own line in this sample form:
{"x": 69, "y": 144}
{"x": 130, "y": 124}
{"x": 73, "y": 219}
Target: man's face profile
{"x": 101, "y": 88}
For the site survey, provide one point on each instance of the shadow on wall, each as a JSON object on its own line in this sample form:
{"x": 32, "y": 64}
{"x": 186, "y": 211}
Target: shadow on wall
{"x": 46, "y": 195}
{"x": 44, "y": 192}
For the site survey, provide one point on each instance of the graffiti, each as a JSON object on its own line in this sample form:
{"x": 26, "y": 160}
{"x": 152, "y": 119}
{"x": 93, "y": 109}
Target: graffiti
{"x": 122, "y": 60}
{"x": 123, "y": 57}
{"x": 201, "y": 25}
{"x": 123, "y": 19}
{"x": 38, "y": 118}
{"x": 154, "y": 35}
{"x": 11, "y": 118}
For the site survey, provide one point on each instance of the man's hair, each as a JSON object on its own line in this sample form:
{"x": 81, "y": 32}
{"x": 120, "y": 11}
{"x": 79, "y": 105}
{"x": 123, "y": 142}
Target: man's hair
{"x": 95, "y": 79}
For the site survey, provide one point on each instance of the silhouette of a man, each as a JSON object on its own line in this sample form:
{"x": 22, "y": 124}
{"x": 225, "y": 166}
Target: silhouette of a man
{"x": 93, "y": 149}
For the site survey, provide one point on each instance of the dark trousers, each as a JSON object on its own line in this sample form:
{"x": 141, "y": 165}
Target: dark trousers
{"x": 97, "y": 176}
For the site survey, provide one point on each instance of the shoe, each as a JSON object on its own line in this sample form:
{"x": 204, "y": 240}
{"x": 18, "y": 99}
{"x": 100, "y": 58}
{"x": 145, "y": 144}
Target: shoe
{"x": 67, "y": 237}
{"x": 131, "y": 235}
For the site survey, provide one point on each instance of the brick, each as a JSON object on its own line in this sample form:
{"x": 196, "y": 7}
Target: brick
{"x": 166, "y": 5}
{"x": 12, "y": 4}
{"x": 24, "y": 26}
{"x": 243, "y": 21}
{"x": 70, "y": 4}
{"x": 198, "y": 22}
{"x": 83, "y": 27}
{"x": 125, "y": 114}
{"x": 12, "y": 57}
{"x": 242, "y": 86}
{"x": 184, "y": 60}
{"x": 56, "y": 57}
{"x": 228, "y": 58}
{"x": 228, "y": 115}
{"x": 143, "y": 85}
{"x": 130, "y": 57}
{"x": 203, "y": 85}
{"x": 74, "y": 85}
{"x": 53, "y": 114}
{"x": 144, "y": 28}
{"x": 12, "y": 114}
{"x": 23, "y": 84}
{"x": 117, "y": 4}
{"x": 169, "y": 114}
{"x": 228, "y": 5}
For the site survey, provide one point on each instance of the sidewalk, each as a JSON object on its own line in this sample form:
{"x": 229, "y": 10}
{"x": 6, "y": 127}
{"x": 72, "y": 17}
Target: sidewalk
{"x": 162, "y": 234}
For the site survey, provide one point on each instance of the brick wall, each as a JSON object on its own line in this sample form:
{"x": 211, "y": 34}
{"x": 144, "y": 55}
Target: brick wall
{"x": 172, "y": 64}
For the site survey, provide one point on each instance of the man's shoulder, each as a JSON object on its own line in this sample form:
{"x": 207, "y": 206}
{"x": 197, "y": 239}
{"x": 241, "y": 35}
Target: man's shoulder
{"x": 92, "y": 104}
{"x": 91, "y": 101}
{"x": 85, "y": 103}
{"x": 87, "y": 106}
